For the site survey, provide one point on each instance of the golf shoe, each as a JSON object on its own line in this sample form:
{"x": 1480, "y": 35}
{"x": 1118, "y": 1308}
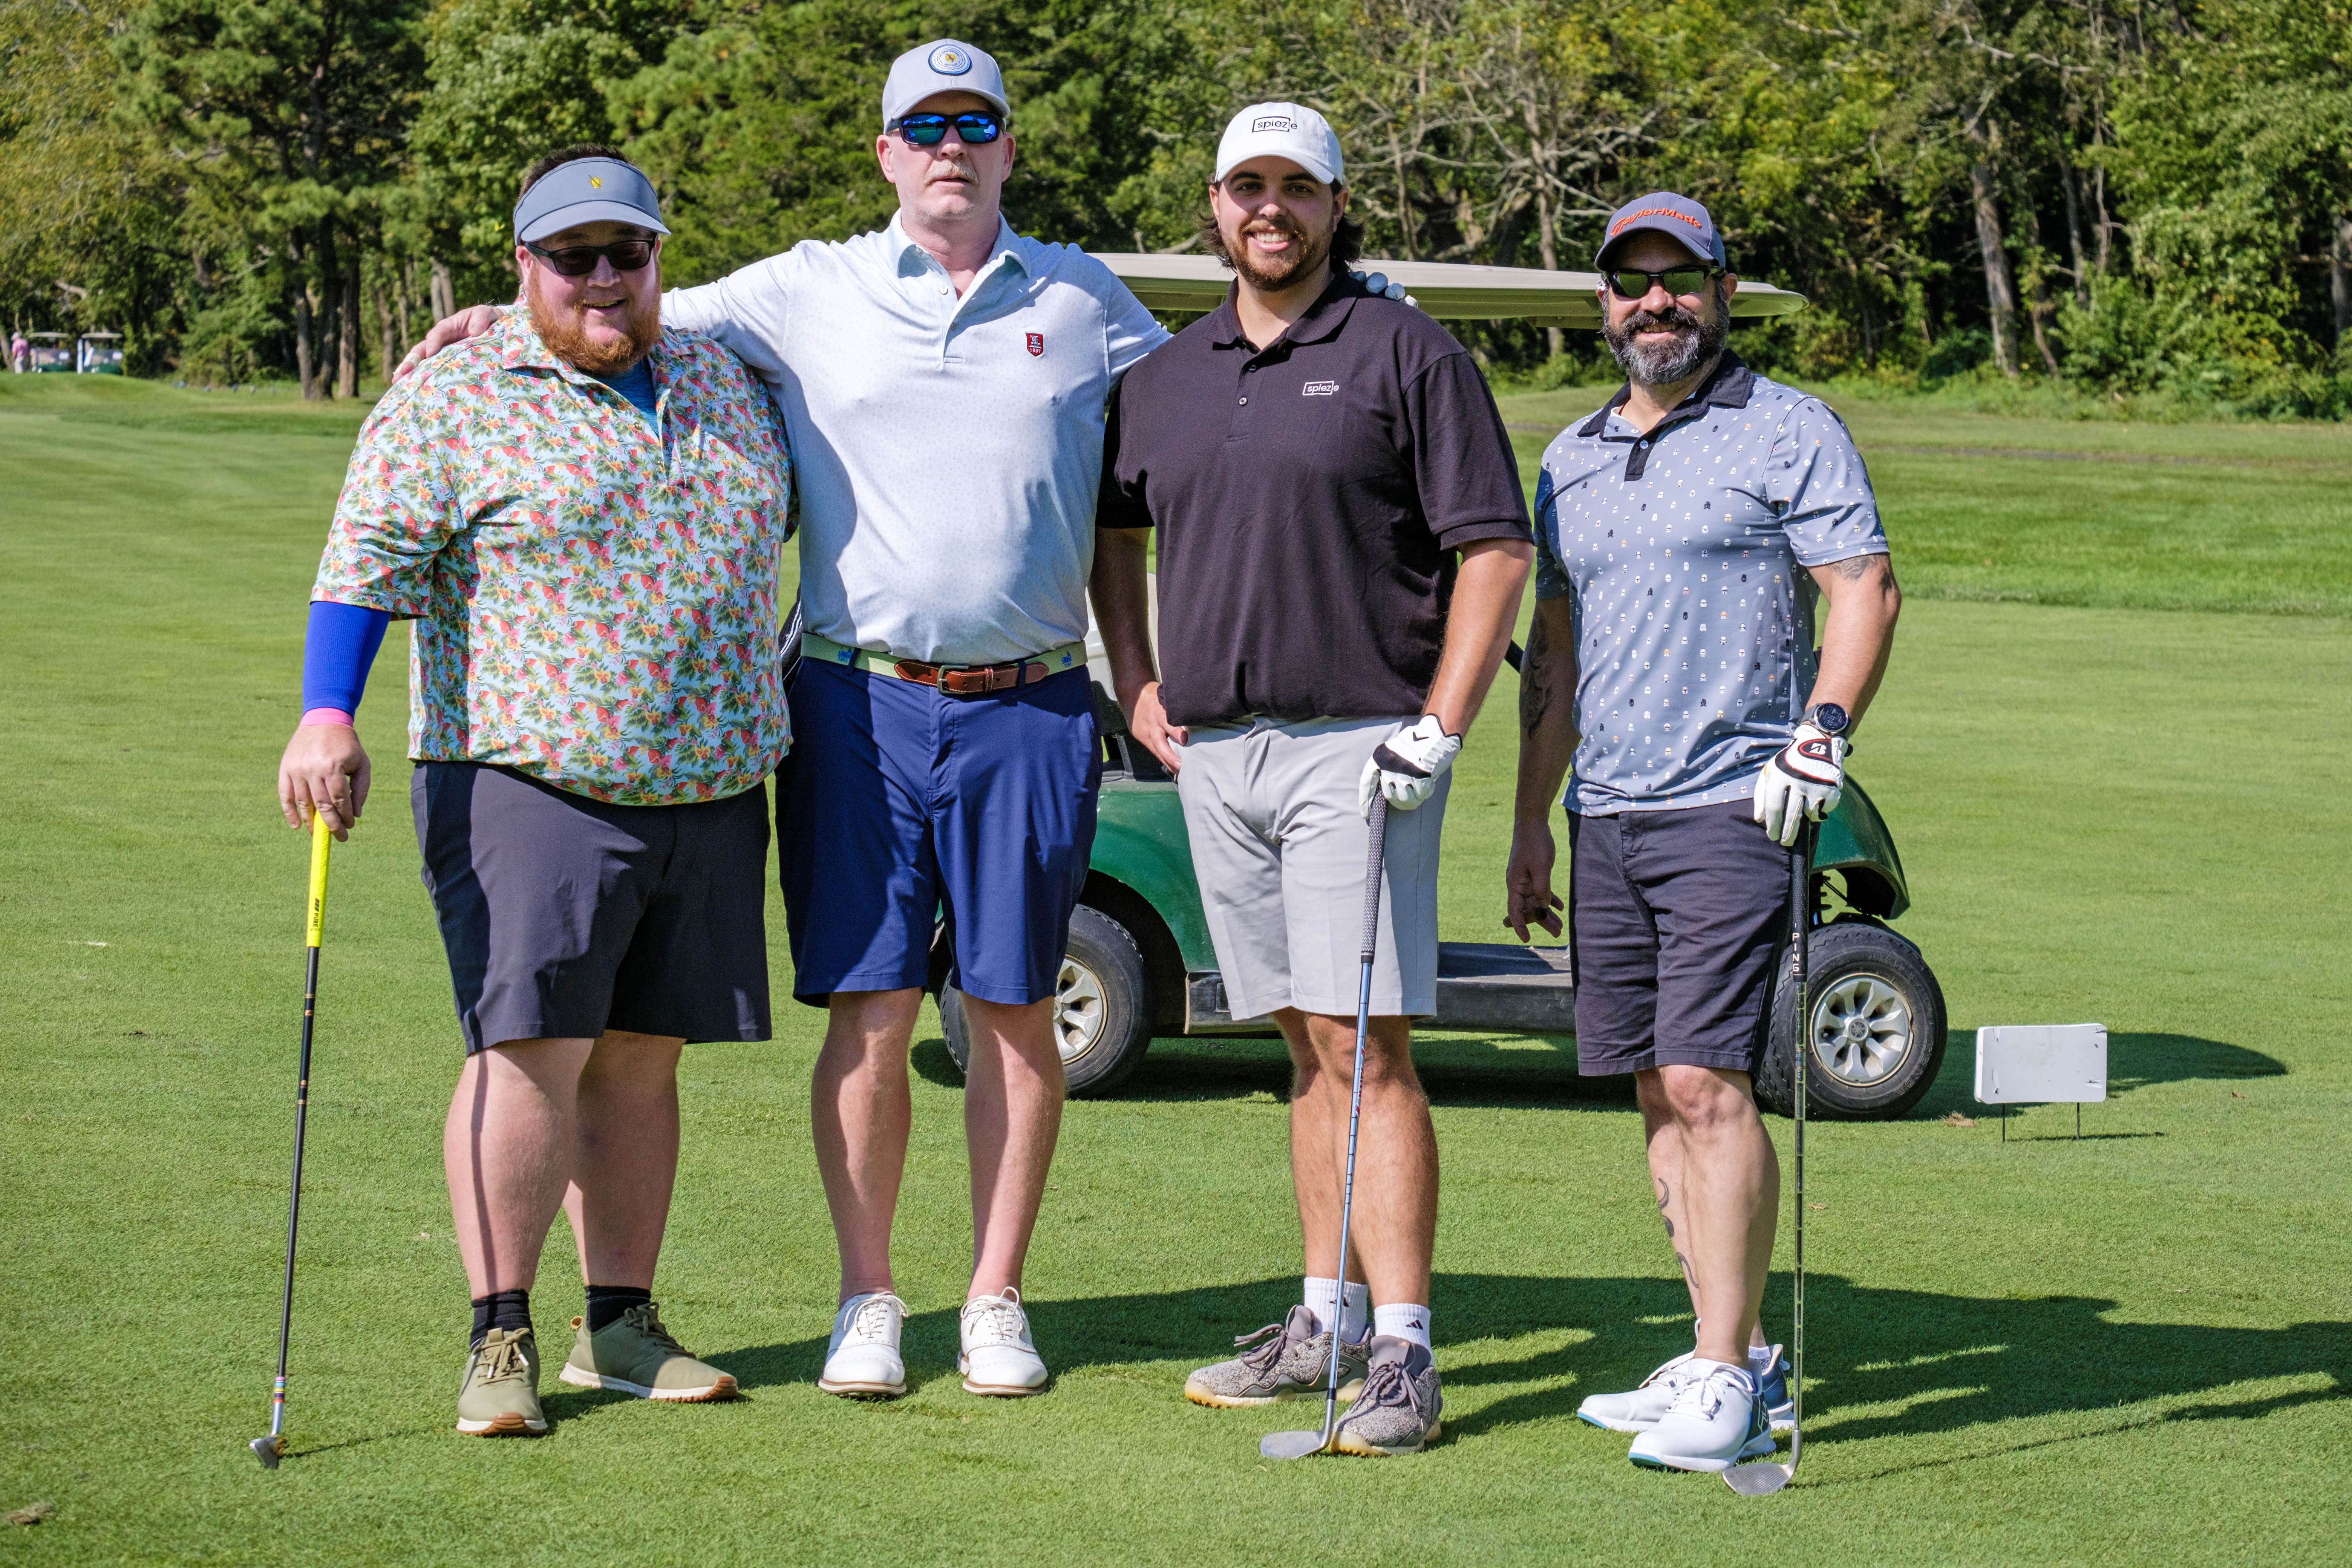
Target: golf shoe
{"x": 862, "y": 1360}
{"x": 1285, "y": 1361}
{"x": 1772, "y": 1388}
{"x": 997, "y": 1356}
{"x": 499, "y": 1395}
{"x": 1715, "y": 1422}
{"x": 635, "y": 1354}
{"x": 1398, "y": 1410}
{"x": 1638, "y": 1409}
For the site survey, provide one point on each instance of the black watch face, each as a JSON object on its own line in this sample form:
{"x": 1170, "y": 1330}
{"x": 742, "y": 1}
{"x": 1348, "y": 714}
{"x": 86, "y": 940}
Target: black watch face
{"x": 1829, "y": 716}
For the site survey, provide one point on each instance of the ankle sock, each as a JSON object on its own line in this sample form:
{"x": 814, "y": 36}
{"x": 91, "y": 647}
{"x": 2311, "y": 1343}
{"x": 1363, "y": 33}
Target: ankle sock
{"x": 1406, "y": 1321}
{"x": 1760, "y": 1359}
{"x": 606, "y": 1303}
{"x": 1324, "y": 1299}
{"x": 499, "y": 1310}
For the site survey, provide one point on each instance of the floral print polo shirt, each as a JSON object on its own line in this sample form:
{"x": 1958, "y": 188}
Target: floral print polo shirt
{"x": 594, "y": 592}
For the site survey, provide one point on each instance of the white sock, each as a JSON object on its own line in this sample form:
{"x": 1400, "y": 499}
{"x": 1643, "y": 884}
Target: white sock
{"x": 1760, "y": 1359}
{"x": 1402, "y": 1320}
{"x": 1323, "y": 1301}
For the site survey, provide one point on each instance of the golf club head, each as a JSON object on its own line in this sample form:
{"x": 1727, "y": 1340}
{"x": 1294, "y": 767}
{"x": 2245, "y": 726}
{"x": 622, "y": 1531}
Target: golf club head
{"x": 266, "y": 1450}
{"x": 1761, "y": 1478}
{"x": 1292, "y": 1444}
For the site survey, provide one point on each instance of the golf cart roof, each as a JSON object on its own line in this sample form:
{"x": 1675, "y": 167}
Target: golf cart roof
{"x": 61, "y": 337}
{"x": 109, "y": 337}
{"x": 1450, "y": 290}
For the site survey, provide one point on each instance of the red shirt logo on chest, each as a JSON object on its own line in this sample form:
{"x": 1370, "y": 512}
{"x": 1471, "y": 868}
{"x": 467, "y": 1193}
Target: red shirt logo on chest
{"x": 1036, "y": 345}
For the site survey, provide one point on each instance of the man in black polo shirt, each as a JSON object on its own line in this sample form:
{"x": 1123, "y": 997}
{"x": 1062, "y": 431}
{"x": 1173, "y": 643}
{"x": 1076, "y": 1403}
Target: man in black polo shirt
{"x": 1314, "y": 460}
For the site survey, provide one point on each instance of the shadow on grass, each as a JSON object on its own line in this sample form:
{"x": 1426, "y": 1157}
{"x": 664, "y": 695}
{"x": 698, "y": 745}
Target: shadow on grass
{"x": 1879, "y": 1362}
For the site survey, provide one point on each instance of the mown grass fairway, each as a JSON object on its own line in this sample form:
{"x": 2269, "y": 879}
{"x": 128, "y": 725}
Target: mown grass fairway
{"x": 2135, "y": 1348}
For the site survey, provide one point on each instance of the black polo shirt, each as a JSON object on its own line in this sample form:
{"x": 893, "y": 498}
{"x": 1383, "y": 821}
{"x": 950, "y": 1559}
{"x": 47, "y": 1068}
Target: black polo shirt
{"x": 1310, "y": 499}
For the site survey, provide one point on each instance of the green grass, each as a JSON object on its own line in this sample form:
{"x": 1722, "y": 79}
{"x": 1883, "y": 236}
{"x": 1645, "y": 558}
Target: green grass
{"x": 2128, "y": 1349}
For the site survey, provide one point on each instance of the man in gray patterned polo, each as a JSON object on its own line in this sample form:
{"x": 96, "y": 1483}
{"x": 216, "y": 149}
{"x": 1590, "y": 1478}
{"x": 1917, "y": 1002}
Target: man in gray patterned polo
{"x": 1684, "y": 535}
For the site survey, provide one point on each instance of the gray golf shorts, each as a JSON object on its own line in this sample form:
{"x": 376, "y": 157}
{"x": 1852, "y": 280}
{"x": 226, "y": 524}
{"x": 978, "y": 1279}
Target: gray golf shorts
{"x": 1279, "y": 849}
{"x": 1678, "y": 920}
{"x": 564, "y": 917}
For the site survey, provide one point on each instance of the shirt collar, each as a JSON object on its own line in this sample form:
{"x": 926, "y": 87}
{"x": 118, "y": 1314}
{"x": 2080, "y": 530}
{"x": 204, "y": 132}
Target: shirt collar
{"x": 912, "y": 258}
{"x": 1727, "y": 386}
{"x": 1320, "y": 324}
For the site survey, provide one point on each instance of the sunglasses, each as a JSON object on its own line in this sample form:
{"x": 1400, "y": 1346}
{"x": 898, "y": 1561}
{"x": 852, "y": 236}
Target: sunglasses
{"x": 1629, "y": 283}
{"x": 579, "y": 261}
{"x": 978, "y": 127}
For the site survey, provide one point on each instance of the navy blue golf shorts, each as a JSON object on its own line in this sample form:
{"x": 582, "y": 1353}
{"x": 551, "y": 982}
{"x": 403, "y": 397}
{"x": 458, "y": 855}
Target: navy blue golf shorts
{"x": 1677, "y": 919}
{"x": 564, "y": 917}
{"x": 898, "y": 803}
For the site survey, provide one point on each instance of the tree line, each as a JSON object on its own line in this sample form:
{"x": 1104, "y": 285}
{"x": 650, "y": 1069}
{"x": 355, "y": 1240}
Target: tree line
{"x": 2130, "y": 196}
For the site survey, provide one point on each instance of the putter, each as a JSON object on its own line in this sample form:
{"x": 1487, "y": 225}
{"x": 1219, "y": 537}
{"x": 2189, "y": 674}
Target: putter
{"x": 269, "y": 1449}
{"x": 1765, "y": 1477}
{"x": 1298, "y": 1445}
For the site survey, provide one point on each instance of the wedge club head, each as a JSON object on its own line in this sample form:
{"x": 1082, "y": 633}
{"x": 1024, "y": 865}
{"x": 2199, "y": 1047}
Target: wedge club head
{"x": 1761, "y": 1478}
{"x": 267, "y": 1449}
{"x": 1293, "y": 1445}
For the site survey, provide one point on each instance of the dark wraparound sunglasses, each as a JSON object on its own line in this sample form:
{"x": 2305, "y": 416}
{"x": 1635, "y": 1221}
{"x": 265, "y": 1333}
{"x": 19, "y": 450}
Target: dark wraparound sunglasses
{"x": 1628, "y": 283}
{"x": 977, "y": 128}
{"x": 579, "y": 261}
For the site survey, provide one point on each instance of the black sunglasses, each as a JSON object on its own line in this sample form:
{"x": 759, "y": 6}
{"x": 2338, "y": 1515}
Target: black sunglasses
{"x": 579, "y": 261}
{"x": 978, "y": 127}
{"x": 1631, "y": 283}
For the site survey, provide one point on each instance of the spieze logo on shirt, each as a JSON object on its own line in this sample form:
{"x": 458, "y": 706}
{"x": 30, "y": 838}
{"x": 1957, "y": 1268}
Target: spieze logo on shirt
{"x": 1036, "y": 345}
{"x": 1319, "y": 389}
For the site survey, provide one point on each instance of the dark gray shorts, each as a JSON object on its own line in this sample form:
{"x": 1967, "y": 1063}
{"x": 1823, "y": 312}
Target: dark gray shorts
{"x": 564, "y": 917}
{"x": 1678, "y": 918}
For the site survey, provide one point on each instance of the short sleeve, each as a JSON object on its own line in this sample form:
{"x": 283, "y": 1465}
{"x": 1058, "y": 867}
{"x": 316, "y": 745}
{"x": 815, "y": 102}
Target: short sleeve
{"x": 744, "y": 312}
{"x": 1816, "y": 480}
{"x": 1119, "y": 504}
{"x": 1130, "y": 332}
{"x": 398, "y": 507}
{"x": 1551, "y": 578}
{"x": 1468, "y": 475}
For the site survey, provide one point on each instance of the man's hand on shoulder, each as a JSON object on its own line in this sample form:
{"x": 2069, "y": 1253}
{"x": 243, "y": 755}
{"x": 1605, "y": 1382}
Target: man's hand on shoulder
{"x": 469, "y": 323}
{"x": 1378, "y": 283}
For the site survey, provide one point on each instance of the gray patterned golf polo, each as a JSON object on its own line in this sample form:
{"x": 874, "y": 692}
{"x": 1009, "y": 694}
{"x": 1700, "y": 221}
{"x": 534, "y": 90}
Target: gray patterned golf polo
{"x": 1683, "y": 548}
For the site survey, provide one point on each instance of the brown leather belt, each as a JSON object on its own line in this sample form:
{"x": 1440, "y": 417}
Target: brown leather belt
{"x": 971, "y": 679}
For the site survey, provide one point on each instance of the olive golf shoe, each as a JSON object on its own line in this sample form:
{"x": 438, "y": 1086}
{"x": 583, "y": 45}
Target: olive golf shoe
{"x": 635, "y": 1354}
{"x": 499, "y": 1395}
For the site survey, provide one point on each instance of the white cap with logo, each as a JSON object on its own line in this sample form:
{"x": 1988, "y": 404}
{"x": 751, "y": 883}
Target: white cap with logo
{"x": 1289, "y": 130}
{"x": 946, "y": 65}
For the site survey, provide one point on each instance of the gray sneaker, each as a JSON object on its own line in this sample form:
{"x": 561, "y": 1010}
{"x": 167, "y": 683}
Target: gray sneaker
{"x": 1398, "y": 1410}
{"x": 1290, "y": 1360}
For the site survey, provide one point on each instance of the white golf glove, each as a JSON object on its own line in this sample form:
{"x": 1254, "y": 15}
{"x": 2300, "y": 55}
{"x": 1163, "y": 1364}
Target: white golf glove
{"x": 1802, "y": 783}
{"x": 1407, "y": 765}
{"x": 1378, "y": 283}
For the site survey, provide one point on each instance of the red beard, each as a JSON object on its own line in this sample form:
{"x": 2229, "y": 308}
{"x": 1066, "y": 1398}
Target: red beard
{"x": 566, "y": 336}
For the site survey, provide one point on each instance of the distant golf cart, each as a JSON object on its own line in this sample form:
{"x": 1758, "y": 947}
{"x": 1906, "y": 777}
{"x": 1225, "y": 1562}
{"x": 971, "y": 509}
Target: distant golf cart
{"x": 52, "y": 354}
{"x": 1140, "y": 965}
{"x": 99, "y": 353}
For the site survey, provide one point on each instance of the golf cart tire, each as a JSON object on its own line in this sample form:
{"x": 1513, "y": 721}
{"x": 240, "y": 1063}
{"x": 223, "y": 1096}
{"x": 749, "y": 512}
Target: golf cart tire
{"x": 1858, "y": 958}
{"x": 1109, "y": 974}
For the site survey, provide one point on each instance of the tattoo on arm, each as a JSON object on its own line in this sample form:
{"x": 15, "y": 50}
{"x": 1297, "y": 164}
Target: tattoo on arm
{"x": 1854, "y": 568}
{"x": 1535, "y": 686}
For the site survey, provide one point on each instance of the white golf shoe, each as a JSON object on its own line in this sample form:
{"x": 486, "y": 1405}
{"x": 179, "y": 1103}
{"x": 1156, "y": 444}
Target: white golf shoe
{"x": 863, "y": 1361}
{"x": 998, "y": 1356}
{"x": 1638, "y": 1409}
{"x": 1715, "y": 1422}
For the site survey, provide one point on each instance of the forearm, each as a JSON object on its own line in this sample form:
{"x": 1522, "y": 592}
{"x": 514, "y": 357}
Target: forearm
{"x": 338, "y": 651}
{"x": 1477, "y": 628}
{"x": 1548, "y": 737}
{"x": 1858, "y": 635}
{"x": 1122, "y": 599}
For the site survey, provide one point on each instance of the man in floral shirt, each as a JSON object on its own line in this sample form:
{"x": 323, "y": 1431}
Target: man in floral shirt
{"x": 581, "y": 514}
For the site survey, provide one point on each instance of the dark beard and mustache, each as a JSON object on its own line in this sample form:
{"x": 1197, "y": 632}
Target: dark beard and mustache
{"x": 1696, "y": 342}
{"x": 566, "y": 334}
{"x": 1308, "y": 258}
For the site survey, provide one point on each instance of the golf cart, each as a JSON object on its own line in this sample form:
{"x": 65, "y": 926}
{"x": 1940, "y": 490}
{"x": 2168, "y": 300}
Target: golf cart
{"x": 99, "y": 353}
{"x": 52, "y": 354}
{"x": 1141, "y": 966}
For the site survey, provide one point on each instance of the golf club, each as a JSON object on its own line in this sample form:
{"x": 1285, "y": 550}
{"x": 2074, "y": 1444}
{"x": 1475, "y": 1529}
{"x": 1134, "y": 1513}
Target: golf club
{"x": 269, "y": 1449}
{"x": 1767, "y": 1476}
{"x": 1298, "y": 1445}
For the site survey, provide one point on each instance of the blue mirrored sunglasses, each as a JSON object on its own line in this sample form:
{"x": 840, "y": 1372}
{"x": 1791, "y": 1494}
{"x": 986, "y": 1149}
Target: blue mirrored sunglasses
{"x": 978, "y": 127}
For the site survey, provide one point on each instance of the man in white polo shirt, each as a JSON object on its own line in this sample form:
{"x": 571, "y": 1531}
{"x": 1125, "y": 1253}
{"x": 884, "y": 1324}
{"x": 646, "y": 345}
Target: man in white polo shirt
{"x": 943, "y": 383}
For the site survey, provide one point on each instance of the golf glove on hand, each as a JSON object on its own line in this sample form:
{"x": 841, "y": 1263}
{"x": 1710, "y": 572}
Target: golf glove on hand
{"x": 1407, "y": 765}
{"x": 1800, "y": 784}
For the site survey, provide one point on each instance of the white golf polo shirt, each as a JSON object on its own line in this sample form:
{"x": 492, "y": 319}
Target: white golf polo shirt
{"x": 947, "y": 449}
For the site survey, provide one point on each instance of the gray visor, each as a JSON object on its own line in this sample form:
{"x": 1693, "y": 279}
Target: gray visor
{"x": 589, "y": 189}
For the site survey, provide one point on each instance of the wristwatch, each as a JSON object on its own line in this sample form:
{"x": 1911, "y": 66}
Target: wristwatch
{"x": 1828, "y": 718}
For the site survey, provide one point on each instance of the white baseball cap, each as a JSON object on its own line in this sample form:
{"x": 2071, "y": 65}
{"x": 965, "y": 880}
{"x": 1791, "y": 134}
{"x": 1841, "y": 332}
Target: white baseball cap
{"x": 1289, "y": 130}
{"x": 945, "y": 65}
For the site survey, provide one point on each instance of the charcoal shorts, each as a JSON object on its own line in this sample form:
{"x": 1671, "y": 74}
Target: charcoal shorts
{"x": 564, "y": 917}
{"x": 1677, "y": 919}
{"x": 900, "y": 803}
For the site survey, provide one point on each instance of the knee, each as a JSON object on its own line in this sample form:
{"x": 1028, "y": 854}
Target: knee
{"x": 1704, "y": 1101}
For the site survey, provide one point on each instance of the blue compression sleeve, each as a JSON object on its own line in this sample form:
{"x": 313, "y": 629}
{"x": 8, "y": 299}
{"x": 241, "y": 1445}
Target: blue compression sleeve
{"x": 338, "y": 654}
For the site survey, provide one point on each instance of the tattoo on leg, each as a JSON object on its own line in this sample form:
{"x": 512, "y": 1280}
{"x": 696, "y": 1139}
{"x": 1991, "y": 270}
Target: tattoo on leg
{"x": 1669, "y": 1222}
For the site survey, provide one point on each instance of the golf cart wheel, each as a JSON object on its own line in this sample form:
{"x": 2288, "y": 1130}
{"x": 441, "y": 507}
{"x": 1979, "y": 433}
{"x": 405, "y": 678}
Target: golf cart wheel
{"x": 1102, "y": 1006}
{"x": 1876, "y": 1028}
